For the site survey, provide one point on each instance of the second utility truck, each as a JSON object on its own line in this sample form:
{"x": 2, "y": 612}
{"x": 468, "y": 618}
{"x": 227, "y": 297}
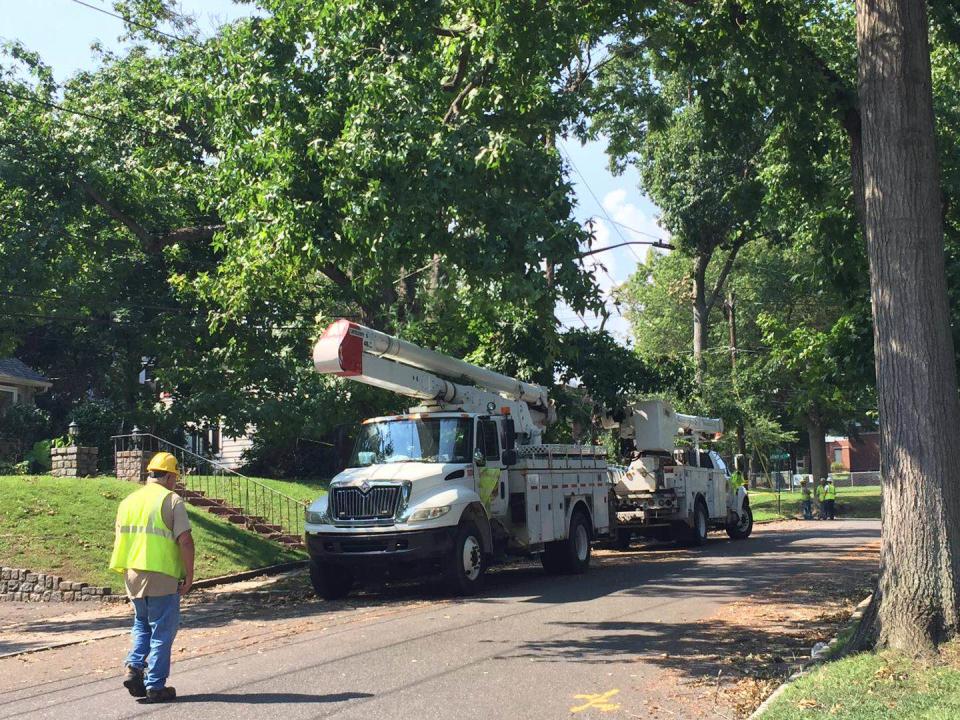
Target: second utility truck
{"x": 672, "y": 488}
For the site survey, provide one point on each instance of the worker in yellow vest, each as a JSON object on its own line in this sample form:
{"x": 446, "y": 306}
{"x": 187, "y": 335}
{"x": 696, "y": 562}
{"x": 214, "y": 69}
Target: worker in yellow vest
{"x": 821, "y": 493}
{"x": 153, "y": 548}
{"x": 829, "y": 499}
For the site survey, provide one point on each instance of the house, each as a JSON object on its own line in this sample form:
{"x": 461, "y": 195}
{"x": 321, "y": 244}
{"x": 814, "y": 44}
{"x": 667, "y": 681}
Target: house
{"x": 859, "y": 454}
{"x": 19, "y": 384}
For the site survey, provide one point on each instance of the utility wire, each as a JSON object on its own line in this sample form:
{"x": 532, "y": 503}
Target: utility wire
{"x": 142, "y": 26}
{"x": 99, "y": 118}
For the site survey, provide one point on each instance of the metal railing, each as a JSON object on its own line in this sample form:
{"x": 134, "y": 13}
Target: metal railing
{"x": 264, "y": 505}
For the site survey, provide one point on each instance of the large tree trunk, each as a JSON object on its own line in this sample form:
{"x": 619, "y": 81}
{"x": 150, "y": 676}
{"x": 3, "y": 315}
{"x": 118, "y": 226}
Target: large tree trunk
{"x": 818, "y": 447}
{"x": 700, "y": 312}
{"x": 916, "y": 372}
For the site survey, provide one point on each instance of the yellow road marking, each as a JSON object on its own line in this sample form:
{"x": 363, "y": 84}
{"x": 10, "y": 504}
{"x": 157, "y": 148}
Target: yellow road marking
{"x": 597, "y": 701}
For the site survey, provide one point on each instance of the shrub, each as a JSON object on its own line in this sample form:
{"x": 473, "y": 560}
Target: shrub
{"x": 25, "y": 425}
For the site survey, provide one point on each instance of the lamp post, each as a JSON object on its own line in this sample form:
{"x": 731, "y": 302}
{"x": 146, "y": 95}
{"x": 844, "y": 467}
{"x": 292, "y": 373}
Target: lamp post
{"x": 73, "y": 431}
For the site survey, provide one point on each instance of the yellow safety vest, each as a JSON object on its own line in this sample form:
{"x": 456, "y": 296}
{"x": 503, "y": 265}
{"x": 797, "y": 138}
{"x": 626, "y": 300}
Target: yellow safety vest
{"x": 143, "y": 541}
{"x": 489, "y": 482}
{"x": 830, "y": 492}
{"x": 736, "y": 480}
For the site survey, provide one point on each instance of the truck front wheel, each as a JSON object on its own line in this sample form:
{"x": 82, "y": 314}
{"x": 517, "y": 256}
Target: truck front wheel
{"x": 744, "y": 526}
{"x": 331, "y": 582}
{"x": 464, "y": 566}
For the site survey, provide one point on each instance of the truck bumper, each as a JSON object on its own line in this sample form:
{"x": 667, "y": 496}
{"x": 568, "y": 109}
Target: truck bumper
{"x": 414, "y": 547}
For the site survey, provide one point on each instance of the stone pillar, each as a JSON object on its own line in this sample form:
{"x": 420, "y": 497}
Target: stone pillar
{"x": 73, "y": 461}
{"x": 131, "y": 465}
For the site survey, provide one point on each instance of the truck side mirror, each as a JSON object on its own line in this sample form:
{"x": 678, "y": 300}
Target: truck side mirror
{"x": 478, "y": 459}
{"x": 509, "y": 458}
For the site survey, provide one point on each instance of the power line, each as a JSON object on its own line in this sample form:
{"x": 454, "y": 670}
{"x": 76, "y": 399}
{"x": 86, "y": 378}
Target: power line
{"x": 142, "y": 26}
{"x": 92, "y": 116}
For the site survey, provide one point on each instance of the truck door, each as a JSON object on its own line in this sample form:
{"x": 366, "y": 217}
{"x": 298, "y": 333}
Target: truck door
{"x": 491, "y": 476}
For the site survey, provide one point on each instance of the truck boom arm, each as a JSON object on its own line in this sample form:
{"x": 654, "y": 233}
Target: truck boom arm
{"x": 359, "y": 353}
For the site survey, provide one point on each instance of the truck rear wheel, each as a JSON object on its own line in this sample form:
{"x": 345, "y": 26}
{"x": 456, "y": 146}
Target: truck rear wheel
{"x": 573, "y": 554}
{"x": 696, "y": 535}
{"x": 744, "y": 526}
{"x": 463, "y": 568}
{"x": 331, "y": 582}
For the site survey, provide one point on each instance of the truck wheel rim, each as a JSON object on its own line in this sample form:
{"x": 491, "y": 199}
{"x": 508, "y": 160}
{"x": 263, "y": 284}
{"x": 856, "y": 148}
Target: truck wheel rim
{"x": 744, "y": 521}
{"x": 583, "y": 543}
{"x": 701, "y": 524}
{"x": 471, "y": 558}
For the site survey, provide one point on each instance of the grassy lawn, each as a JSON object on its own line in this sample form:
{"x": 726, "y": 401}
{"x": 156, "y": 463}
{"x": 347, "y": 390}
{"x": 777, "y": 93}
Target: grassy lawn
{"x": 65, "y": 526}
{"x": 306, "y": 490}
{"x": 874, "y": 686}
{"x": 855, "y": 502}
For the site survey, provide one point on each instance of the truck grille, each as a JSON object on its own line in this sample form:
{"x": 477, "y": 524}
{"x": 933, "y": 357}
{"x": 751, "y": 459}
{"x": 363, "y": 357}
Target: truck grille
{"x": 379, "y": 503}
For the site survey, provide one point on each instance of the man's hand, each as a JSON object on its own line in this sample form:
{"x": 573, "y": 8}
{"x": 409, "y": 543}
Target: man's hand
{"x": 185, "y": 541}
{"x": 184, "y": 587}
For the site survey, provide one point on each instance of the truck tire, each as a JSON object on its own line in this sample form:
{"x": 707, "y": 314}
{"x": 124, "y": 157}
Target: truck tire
{"x": 573, "y": 554}
{"x": 465, "y": 565}
{"x": 742, "y": 529}
{"x": 697, "y": 534}
{"x": 331, "y": 582}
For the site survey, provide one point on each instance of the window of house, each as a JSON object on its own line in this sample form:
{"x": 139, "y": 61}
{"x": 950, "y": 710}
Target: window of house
{"x": 8, "y": 396}
{"x": 837, "y": 455}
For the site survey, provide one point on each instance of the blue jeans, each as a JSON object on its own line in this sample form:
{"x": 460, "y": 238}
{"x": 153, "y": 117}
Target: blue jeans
{"x": 808, "y": 510}
{"x": 155, "y": 624}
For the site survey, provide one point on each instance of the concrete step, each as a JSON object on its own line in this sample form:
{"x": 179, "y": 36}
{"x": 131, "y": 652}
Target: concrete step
{"x": 225, "y": 510}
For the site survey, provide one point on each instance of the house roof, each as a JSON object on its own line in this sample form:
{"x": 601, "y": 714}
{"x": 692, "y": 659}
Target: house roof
{"x": 14, "y": 370}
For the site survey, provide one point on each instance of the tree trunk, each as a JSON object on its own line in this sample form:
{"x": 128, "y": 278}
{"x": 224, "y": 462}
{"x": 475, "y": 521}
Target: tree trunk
{"x": 700, "y": 310}
{"x": 818, "y": 447}
{"x": 916, "y": 371}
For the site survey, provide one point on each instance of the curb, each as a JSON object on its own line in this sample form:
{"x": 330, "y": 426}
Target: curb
{"x": 818, "y": 659}
{"x": 247, "y": 574}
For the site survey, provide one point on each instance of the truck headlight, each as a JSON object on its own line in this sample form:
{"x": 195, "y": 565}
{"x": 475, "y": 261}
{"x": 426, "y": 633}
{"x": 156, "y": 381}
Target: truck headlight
{"x": 316, "y": 513}
{"x": 428, "y": 513}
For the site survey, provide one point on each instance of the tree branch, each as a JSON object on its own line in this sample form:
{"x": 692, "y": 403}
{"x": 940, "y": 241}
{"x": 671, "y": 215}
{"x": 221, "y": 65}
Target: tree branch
{"x": 724, "y": 271}
{"x": 454, "y": 109}
{"x": 147, "y": 240}
{"x": 462, "y": 63}
{"x": 190, "y": 234}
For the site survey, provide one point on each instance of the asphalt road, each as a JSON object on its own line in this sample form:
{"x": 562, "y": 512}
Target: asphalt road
{"x": 608, "y": 644}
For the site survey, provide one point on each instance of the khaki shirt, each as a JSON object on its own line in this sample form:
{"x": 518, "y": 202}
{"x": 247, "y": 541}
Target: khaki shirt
{"x": 143, "y": 583}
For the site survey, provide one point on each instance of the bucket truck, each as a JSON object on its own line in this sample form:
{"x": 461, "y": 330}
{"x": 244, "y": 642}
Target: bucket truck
{"x": 673, "y": 490}
{"x": 459, "y": 481}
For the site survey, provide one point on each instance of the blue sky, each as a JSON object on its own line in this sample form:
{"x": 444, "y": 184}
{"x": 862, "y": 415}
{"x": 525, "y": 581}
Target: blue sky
{"x": 62, "y": 31}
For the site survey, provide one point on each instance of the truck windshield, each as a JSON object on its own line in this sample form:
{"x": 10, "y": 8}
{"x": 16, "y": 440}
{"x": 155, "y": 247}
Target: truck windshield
{"x": 430, "y": 440}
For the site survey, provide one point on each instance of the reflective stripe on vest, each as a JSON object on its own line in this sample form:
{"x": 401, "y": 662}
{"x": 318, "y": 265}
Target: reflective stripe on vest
{"x": 143, "y": 541}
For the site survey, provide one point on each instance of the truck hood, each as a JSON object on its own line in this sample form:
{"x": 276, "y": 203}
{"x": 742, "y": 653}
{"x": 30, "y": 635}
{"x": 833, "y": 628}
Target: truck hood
{"x": 395, "y": 472}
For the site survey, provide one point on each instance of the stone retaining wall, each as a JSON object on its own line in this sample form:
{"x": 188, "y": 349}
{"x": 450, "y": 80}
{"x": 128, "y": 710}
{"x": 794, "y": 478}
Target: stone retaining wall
{"x": 131, "y": 465}
{"x": 25, "y": 586}
{"x": 73, "y": 461}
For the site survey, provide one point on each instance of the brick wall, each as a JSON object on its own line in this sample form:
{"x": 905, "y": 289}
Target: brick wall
{"x": 17, "y": 584}
{"x": 131, "y": 465}
{"x": 73, "y": 461}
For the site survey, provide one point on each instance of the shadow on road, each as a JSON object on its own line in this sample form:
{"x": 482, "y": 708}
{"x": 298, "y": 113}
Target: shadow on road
{"x": 270, "y": 698}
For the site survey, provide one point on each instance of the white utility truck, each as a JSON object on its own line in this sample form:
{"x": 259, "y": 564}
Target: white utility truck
{"x": 461, "y": 480}
{"x": 670, "y": 490}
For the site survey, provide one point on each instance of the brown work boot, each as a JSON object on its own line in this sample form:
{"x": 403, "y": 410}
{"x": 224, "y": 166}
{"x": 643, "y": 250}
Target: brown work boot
{"x": 164, "y": 694}
{"x": 133, "y": 682}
